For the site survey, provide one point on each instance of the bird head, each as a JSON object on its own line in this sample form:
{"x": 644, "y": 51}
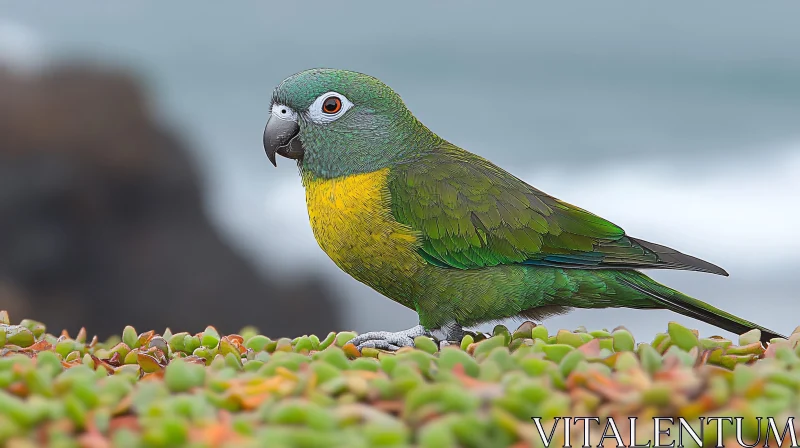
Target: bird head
{"x": 339, "y": 122}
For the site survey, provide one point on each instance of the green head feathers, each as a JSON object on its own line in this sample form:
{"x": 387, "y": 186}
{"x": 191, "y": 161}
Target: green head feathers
{"x": 338, "y": 122}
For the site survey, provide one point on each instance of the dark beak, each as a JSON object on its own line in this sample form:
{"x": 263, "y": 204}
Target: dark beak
{"x": 281, "y": 137}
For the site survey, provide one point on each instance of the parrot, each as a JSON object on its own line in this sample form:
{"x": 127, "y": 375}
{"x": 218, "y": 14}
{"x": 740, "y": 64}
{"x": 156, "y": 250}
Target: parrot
{"x": 447, "y": 233}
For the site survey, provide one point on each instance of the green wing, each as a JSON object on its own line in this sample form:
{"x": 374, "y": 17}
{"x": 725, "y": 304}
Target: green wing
{"x": 473, "y": 214}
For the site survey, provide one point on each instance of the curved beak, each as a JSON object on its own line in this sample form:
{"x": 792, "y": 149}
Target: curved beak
{"x": 281, "y": 137}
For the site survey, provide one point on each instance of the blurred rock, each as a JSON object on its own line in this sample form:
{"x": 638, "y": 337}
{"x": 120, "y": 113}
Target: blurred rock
{"x": 102, "y": 220}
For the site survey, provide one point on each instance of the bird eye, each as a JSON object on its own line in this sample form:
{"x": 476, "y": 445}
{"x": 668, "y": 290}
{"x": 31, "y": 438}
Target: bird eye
{"x": 331, "y": 105}
{"x": 328, "y": 107}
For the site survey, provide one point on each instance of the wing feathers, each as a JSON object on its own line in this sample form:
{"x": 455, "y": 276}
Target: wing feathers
{"x": 472, "y": 214}
{"x": 679, "y": 260}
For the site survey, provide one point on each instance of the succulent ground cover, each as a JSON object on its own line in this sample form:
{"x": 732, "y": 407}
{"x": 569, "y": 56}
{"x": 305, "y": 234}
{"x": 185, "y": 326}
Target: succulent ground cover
{"x": 207, "y": 389}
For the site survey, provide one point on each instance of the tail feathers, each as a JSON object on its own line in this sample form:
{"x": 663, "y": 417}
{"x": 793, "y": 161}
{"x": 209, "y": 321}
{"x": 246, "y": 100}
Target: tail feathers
{"x": 688, "y": 306}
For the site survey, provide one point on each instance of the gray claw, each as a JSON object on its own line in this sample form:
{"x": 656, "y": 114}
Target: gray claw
{"x": 387, "y": 340}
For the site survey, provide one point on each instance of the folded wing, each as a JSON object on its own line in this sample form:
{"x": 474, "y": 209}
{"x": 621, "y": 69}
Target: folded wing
{"x": 472, "y": 214}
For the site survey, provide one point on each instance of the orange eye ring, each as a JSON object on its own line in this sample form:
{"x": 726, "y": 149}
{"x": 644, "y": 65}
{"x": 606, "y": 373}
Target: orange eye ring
{"x": 331, "y": 105}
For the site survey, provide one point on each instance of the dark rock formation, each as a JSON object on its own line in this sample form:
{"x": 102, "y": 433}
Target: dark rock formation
{"x": 102, "y": 222}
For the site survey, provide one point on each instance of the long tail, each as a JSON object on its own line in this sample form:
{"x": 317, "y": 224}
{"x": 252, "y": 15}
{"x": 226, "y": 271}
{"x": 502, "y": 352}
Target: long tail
{"x": 681, "y": 303}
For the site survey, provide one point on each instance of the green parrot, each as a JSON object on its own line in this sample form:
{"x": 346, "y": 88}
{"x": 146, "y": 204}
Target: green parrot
{"x": 447, "y": 233}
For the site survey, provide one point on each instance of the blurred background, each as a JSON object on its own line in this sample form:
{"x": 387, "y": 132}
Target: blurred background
{"x": 134, "y": 188}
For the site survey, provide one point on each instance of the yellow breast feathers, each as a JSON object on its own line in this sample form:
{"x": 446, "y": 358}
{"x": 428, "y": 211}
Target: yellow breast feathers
{"x": 353, "y": 224}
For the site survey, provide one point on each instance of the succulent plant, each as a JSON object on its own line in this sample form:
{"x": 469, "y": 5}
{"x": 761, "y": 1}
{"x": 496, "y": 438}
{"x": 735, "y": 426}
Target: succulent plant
{"x": 209, "y": 389}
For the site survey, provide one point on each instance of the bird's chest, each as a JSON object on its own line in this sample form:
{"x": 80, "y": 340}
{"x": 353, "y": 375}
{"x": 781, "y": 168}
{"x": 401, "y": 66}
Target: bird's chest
{"x": 352, "y": 222}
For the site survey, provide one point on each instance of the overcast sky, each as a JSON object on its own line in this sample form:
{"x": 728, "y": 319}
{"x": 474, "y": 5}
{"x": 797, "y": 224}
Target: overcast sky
{"x": 678, "y": 121}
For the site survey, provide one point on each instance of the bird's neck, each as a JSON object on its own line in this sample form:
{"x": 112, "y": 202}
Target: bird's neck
{"x": 344, "y": 155}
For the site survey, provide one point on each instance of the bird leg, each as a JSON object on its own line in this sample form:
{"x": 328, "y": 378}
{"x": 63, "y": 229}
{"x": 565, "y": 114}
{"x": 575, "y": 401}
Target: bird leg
{"x": 388, "y": 340}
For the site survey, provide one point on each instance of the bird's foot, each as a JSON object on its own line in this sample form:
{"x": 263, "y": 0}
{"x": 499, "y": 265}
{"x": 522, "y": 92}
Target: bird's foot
{"x": 448, "y": 334}
{"x": 388, "y": 340}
